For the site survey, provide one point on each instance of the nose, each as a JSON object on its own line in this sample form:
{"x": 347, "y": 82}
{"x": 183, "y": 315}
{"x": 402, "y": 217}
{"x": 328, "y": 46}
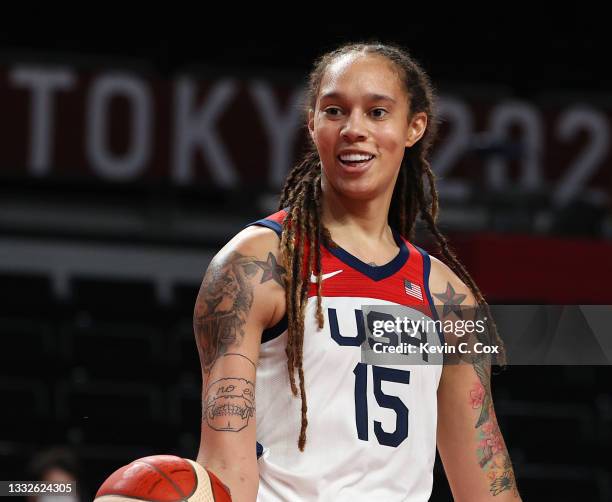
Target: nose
{"x": 354, "y": 128}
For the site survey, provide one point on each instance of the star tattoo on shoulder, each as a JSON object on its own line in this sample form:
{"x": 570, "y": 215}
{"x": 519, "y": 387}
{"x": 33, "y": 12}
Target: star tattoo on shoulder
{"x": 451, "y": 300}
{"x": 271, "y": 270}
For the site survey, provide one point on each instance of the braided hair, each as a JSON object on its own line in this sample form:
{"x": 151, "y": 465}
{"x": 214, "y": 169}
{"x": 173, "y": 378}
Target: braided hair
{"x": 303, "y": 231}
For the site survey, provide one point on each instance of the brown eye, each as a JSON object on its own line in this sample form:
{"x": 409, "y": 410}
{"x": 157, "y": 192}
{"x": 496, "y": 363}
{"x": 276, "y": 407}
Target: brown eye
{"x": 379, "y": 113}
{"x": 332, "y": 111}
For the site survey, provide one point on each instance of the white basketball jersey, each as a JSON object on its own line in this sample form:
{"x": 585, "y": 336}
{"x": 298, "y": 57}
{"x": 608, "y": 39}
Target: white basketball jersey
{"x": 371, "y": 427}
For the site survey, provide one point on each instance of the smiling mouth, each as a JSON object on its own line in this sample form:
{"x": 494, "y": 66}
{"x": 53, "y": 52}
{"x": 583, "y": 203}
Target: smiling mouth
{"x": 354, "y": 165}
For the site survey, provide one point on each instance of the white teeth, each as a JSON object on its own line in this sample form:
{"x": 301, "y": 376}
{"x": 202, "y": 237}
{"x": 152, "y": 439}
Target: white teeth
{"x": 355, "y": 157}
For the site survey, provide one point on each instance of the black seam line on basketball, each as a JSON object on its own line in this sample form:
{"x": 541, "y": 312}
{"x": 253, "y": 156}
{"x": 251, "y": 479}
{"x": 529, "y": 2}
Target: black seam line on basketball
{"x": 135, "y": 497}
{"x": 236, "y": 354}
{"x": 176, "y": 487}
{"x": 171, "y": 481}
{"x": 154, "y": 485}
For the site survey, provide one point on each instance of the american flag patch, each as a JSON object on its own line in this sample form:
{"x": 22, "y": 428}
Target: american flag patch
{"x": 413, "y": 289}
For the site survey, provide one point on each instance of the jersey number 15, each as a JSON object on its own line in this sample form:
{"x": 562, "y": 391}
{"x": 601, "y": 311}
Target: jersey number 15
{"x": 380, "y": 374}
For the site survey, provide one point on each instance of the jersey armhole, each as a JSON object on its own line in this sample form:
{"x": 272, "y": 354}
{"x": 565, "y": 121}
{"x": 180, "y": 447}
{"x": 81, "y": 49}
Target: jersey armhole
{"x": 280, "y": 327}
{"x": 269, "y": 224}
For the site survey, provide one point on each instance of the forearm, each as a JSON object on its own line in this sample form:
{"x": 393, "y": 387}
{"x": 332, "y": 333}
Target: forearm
{"x": 471, "y": 445}
{"x": 242, "y": 480}
{"x": 500, "y": 497}
{"x": 481, "y": 477}
{"x": 505, "y": 497}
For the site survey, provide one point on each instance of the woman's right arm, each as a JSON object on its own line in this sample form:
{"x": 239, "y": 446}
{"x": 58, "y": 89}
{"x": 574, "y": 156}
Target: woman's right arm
{"x": 238, "y": 299}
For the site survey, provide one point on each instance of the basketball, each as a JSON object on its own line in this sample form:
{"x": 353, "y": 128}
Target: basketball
{"x": 162, "y": 478}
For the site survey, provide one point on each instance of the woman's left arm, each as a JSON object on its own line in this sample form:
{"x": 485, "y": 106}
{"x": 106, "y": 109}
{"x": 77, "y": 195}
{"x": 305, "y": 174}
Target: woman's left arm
{"x": 470, "y": 443}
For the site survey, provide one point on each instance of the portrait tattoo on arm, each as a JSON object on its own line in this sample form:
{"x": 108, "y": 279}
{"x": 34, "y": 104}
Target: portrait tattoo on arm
{"x": 224, "y": 301}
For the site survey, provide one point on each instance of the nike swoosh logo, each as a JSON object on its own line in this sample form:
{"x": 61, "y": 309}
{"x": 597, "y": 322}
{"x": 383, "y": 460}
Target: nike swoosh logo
{"x": 313, "y": 278}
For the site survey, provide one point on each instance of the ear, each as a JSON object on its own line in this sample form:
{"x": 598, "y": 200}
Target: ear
{"x": 416, "y": 128}
{"x": 311, "y": 123}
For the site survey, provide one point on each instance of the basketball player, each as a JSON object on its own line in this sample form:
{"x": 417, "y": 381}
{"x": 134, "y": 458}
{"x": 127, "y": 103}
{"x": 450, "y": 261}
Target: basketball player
{"x": 279, "y": 321}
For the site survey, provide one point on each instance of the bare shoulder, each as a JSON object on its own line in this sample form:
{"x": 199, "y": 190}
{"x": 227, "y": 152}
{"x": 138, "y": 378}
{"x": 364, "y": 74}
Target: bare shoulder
{"x": 255, "y": 249}
{"x": 242, "y": 293}
{"x": 446, "y": 288}
{"x": 254, "y": 240}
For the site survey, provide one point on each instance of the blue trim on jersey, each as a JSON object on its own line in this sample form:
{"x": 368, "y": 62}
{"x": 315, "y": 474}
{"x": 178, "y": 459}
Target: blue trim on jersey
{"x": 275, "y": 331}
{"x": 426, "y": 272}
{"x": 375, "y": 273}
{"x": 258, "y": 449}
{"x": 281, "y": 326}
{"x": 267, "y": 223}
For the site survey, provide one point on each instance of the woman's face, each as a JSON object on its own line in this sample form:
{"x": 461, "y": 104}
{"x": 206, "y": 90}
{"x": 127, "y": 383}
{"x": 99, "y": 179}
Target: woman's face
{"x": 361, "y": 125}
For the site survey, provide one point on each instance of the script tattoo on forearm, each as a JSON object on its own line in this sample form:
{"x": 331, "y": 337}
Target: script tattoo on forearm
{"x": 492, "y": 453}
{"x": 224, "y": 301}
{"x": 229, "y": 402}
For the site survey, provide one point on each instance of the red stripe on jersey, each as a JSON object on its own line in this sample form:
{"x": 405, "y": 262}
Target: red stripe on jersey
{"x": 353, "y": 283}
{"x": 278, "y": 217}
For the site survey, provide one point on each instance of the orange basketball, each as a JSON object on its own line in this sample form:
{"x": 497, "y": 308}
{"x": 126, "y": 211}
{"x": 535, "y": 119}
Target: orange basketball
{"x": 162, "y": 478}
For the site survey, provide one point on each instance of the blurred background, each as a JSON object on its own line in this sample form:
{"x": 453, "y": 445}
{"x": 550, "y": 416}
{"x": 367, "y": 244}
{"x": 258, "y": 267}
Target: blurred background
{"x": 128, "y": 158}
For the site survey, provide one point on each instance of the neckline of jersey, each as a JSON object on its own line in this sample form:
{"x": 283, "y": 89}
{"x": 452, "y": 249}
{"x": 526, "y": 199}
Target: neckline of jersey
{"x": 375, "y": 273}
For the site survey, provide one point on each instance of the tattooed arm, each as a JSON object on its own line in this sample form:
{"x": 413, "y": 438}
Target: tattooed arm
{"x": 470, "y": 443}
{"x": 240, "y": 296}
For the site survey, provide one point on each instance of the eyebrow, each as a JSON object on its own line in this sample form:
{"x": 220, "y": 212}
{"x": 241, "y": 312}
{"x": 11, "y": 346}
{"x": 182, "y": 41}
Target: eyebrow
{"x": 370, "y": 96}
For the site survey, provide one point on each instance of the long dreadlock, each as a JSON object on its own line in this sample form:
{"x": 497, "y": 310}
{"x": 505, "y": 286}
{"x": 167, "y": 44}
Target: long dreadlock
{"x": 303, "y": 232}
